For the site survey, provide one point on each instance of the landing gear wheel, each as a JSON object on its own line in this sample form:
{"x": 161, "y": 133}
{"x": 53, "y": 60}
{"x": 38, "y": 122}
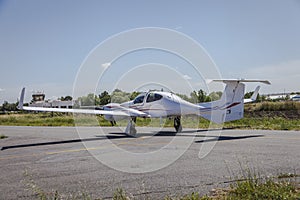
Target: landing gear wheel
{"x": 130, "y": 129}
{"x": 177, "y": 124}
{"x": 113, "y": 123}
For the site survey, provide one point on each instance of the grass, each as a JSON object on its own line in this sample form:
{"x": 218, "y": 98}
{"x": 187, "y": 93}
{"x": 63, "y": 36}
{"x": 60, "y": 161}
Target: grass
{"x": 3, "y": 136}
{"x": 263, "y": 189}
{"x": 252, "y": 188}
{"x": 274, "y": 106}
{"x": 51, "y": 119}
{"x": 120, "y": 194}
{"x": 251, "y": 185}
{"x": 265, "y": 123}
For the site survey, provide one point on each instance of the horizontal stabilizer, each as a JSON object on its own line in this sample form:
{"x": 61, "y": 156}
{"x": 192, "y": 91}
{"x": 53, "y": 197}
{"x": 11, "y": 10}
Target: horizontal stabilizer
{"x": 240, "y": 81}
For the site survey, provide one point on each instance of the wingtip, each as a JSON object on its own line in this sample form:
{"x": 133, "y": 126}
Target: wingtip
{"x": 268, "y": 82}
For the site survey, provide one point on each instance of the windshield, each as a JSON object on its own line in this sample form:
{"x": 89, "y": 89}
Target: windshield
{"x": 153, "y": 97}
{"x": 139, "y": 99}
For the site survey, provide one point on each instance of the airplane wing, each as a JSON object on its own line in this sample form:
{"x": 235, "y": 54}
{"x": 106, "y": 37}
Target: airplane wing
{"x": 121, "y": 111}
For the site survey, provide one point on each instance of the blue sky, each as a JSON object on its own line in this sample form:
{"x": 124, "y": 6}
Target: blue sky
{"x": 43, "y": 43}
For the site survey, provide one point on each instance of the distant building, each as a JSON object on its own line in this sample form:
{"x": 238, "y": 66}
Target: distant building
{"x": 38, "y": 100}
{"x": 277, "y": 96}
{"x": 38, "y": 96}
{"x": 283, "y": 96}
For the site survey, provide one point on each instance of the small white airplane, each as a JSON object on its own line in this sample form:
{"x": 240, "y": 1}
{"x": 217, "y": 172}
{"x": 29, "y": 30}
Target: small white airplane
{"x": 157, "y": 104}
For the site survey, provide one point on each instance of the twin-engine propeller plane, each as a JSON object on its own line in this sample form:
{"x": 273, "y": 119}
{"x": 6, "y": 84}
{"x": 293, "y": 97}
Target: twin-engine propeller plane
{"x": 157, "y": 104}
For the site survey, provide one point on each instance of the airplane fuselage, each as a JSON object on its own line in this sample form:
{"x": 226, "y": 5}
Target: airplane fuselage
{"x": 156, "y": 104}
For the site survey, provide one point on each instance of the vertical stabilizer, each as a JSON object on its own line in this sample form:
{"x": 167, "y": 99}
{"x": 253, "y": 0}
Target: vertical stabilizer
{"x": 21, "y": 101}
{"x": 232, "y": 101}
{"x": 231, "y": 105}
{"x": 253, "y": 97}
{"x": 234, "y": 97}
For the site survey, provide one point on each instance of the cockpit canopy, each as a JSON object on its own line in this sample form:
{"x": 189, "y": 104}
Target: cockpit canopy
{"x": 139, "y": 98}
{"x": 151, "y": 97}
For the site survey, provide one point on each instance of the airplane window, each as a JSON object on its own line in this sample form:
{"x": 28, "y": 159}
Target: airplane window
{"x": 139, "y": 99}
{"x": 153, "y": 97}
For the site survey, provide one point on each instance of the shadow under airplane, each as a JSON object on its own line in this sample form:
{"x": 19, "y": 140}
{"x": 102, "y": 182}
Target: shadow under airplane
{"x": 225, "y": 138}
{"x": 65, "y": 141}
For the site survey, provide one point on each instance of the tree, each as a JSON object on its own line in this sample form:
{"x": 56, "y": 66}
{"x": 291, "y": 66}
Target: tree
{"x": 248, "y": 95}
{"x": 194, "y": 97}
{"x": 184, "y": 97}
{"x": 215, "y": 95}
{"x": 104, "y": 98}
{"x": 200, "y": 96}
{"x": 88, "y": 100}
{"x": 66, "y": 98}
{"x": 134, "y": 94}
{"x": 262, "y": 98}
{"x": 9, "y": 106}
{"x": 287, "y": 97}
{"x": 118, "y": 96}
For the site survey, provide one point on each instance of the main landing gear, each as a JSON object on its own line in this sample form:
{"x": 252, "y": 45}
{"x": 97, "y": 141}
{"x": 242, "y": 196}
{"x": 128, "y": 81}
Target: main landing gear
{"x": 130, "y": 129}
{"x": 177, "y": 124}
{"x": 113, "y": 123}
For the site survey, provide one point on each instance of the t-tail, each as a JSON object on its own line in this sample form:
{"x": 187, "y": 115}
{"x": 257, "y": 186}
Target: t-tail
{"x": 231, "y": 105}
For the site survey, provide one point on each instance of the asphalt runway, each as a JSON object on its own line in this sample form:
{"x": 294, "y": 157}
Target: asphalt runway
{"x": 97, "y": 161}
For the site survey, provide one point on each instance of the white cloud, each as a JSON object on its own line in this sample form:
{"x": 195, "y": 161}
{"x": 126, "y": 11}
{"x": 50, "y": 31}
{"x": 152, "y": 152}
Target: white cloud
{"x": 106, "y": 65}
{"x": 1, "y": 90}
{"x": 186, "y": 77}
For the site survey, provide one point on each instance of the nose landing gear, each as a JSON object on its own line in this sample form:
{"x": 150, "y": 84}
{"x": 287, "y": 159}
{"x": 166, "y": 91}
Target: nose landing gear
{"x": 130, "y": 129}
